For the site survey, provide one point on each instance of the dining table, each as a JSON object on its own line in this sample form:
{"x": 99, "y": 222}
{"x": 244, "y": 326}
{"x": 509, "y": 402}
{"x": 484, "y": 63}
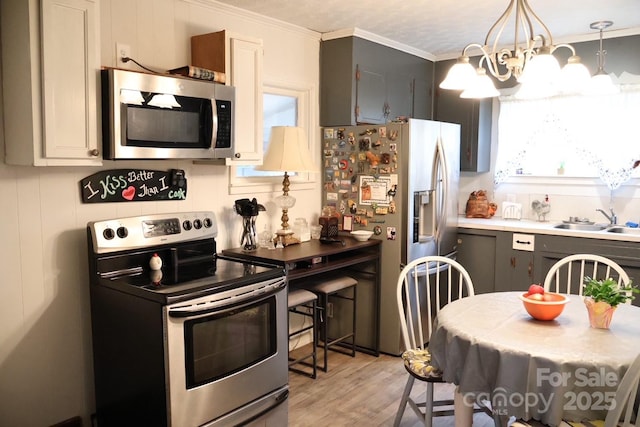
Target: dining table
{"x": 562, "y": 369}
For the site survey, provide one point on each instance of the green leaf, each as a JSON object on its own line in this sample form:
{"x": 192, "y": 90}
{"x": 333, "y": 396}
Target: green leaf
{"x": 609, "y": 291}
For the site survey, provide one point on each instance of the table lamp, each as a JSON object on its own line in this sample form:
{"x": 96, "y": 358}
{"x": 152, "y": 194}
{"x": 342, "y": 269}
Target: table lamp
{"x": 288, "y": 152}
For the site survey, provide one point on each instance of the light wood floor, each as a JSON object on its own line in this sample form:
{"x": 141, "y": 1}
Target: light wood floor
{"x": 360, "y": 391}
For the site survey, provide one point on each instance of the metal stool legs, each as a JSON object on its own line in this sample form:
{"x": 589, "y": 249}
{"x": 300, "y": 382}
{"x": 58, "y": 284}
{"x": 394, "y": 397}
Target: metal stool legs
{"x": 303, "y": 302}
{"x": 330, "y": 289}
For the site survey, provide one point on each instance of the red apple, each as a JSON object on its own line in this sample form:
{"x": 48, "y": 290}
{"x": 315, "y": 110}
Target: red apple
{"x": 536, "y": 297}
{"x": 536, "y": 289}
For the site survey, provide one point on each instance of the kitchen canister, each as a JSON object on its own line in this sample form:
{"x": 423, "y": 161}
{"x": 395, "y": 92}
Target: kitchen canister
{"x": 301, "y": 230}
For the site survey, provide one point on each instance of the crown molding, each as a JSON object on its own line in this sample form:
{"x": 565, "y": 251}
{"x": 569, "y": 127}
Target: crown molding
{"x": 357, "y": 32}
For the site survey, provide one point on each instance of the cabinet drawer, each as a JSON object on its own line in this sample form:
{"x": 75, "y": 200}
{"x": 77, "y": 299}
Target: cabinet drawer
{"x": 524, "y": 242}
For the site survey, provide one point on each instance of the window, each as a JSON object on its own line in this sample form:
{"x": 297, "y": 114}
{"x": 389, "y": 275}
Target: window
{"x": 569, "y": 136}
{"x": 283, "y": 105}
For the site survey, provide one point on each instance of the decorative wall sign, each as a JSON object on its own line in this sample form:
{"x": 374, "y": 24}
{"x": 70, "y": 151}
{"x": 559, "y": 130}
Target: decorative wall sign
{"x": 134, "y": 185}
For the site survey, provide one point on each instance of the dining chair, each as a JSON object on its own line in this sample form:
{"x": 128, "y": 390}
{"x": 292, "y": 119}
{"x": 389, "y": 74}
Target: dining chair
{"x": 623, "y": 412}
{"x": 424, "y": 286}
{"x": 567, "y": 275}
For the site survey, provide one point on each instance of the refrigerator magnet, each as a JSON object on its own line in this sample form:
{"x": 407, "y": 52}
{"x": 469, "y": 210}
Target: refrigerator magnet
{"x": 391, "y": 233}
{"x": 347, "y": 222}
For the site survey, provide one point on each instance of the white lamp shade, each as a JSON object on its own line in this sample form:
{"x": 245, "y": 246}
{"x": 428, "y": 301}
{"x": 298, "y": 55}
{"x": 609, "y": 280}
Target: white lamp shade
{"x": 460, "y": 75}
{"x": 288, "y": 151}
{"x": 602, "y": 84}
{"x": 542, "y": 68}
{"x": 575, "y": 77}
{"x": 481, "y": 87}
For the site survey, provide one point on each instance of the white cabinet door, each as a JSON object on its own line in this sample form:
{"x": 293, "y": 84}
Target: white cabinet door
{"x": 69, "y": 79}
{"x": 245, "y": 71}
{"x": 50, "y": 82}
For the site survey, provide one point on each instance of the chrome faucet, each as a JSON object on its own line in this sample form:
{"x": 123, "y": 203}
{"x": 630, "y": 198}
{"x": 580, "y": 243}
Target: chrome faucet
{"x": 613, "y": 218}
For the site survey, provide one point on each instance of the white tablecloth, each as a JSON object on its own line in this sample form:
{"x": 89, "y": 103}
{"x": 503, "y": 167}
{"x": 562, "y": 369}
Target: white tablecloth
{"x": 490, "y": 346}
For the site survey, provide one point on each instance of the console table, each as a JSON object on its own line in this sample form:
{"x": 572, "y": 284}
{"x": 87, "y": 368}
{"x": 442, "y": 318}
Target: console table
{"x": 313, "y": 258}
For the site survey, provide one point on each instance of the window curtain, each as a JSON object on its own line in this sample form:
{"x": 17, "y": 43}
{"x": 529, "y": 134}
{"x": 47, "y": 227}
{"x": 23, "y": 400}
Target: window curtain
{"x": 602, "y": 130}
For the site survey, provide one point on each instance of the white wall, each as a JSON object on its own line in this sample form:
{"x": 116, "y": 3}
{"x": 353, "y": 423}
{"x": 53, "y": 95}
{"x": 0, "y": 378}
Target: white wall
{"x": 45, "y": 334}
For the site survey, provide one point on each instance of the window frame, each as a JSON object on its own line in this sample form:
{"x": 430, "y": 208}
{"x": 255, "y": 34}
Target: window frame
{"x": 307, "y": 100}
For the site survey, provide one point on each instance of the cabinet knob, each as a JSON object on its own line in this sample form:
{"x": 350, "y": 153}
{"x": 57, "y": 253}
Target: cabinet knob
{"x": 237, "y": 155}
{"x": 94, "y": 153}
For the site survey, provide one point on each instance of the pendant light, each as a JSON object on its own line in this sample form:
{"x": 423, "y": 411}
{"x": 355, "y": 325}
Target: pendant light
{"x": 601, "y": 83}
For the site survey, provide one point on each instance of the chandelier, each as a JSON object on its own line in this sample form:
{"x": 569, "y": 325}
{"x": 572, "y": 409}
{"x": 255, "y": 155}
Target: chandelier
{"x": 530, "y": 60}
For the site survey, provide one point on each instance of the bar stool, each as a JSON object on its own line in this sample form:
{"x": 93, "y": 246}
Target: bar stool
{"x": 332, "y": 288}
{"x": 303, "y": 302}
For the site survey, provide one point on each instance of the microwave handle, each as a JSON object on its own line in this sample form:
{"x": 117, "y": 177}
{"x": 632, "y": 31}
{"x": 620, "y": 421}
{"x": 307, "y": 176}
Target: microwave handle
{"x": 212, "y": 126}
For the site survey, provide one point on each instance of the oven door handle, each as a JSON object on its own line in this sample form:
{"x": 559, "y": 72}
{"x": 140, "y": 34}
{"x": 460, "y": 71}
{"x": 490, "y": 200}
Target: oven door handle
{"x": 226, "y": 304}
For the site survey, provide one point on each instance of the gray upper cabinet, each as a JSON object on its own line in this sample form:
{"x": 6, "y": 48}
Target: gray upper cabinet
{"x": 364, "y": 82}
{"x": 474, "y": 117}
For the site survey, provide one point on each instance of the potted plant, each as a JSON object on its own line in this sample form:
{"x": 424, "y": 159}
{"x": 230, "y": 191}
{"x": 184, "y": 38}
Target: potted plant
{"x": 602, "y": 297}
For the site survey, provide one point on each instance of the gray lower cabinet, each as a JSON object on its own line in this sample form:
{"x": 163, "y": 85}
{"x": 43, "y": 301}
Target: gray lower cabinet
{"x": 553, "y": 248}
{"x": 494, "y": 265}
{"x": 515, "y": 261}
{"x": 477, "y": 254}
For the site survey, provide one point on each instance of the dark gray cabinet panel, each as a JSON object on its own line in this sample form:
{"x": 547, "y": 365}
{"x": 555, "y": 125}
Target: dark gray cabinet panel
{"x": 371, "y": 95}
{"x": 364, "y": 82}
{"x": 514, "y": 268}
{"x": 477, "y": 254}
{"x": 474, "y": 117}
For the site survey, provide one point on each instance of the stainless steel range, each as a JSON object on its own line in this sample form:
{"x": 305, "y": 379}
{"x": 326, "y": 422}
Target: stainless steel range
{"x": 181, "y": 336}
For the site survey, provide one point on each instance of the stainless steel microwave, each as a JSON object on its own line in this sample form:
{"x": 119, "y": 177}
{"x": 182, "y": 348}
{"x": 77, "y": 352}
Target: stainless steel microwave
{"x": 148, "y": 116}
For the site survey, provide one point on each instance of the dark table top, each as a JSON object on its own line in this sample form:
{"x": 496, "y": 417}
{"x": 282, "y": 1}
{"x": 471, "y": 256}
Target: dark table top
{"x": 302, "y": 251}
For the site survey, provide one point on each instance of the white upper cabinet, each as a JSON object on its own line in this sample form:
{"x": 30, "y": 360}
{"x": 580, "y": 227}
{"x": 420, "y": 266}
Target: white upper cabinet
{"x": 240, "y": 58}
{"x": 50, "y": 72}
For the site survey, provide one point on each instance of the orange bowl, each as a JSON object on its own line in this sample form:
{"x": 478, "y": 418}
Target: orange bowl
{"x": 547, "y": 309}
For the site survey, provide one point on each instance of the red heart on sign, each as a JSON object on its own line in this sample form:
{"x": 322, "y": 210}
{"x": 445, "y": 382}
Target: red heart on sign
{"x": 129, "y": 192}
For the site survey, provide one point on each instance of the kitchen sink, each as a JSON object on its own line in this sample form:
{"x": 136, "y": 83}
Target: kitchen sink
{"x": 624, "y": 230}
{"x": 581, "y": 227}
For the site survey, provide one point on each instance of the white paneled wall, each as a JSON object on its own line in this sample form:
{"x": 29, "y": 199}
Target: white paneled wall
{"x": 46, "y": 371}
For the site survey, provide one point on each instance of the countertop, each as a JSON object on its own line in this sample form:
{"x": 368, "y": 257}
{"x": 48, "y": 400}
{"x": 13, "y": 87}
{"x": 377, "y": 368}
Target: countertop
{"x": 537, "y": 227}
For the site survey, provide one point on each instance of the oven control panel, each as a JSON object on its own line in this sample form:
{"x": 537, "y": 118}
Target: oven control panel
{"x": 149, "y": 230}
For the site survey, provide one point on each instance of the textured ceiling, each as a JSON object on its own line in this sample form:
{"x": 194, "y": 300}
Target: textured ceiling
{"x": 443, "y": 27}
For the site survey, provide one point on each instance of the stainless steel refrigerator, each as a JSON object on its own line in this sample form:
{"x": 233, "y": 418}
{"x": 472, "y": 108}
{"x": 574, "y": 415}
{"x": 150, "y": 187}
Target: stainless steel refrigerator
{"x": 399, "y": 180}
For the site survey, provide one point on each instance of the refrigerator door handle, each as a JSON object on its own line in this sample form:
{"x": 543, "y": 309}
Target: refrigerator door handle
{"x": 442, "y": 195}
